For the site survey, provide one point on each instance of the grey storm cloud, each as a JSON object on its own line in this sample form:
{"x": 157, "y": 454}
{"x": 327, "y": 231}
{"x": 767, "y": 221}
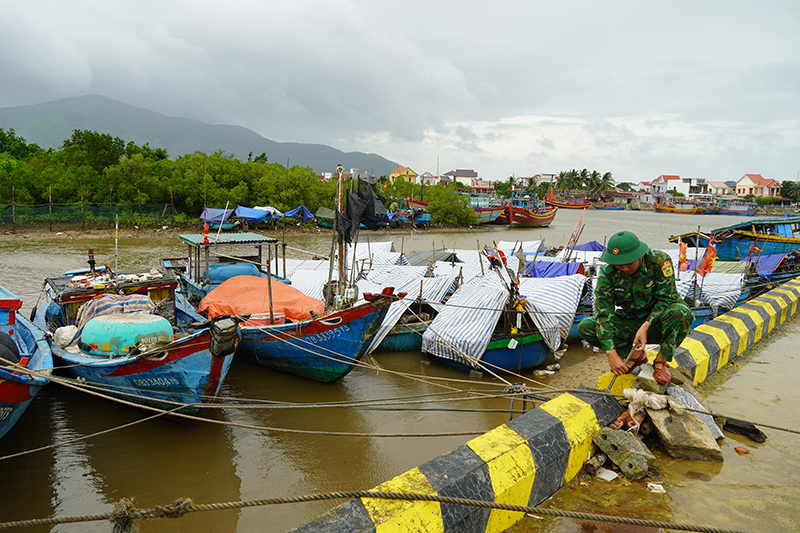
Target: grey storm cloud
{"x": 635, "y": 88}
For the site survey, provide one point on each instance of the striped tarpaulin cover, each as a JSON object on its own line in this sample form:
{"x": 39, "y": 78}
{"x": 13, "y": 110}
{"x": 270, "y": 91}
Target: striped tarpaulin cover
{"x": 433, "y": 290}
{"x": 466, "y": 322}
{"x": 551, "y": 304}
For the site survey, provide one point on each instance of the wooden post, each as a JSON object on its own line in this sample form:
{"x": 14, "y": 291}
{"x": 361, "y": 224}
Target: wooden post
{"x": 50, "y": 205}
{"x": 171, "y": 208}
{"x": 110, "y": 206}
{"x": 269, "y": 282}
{"x": 13, "y": 210}
{"x": 83, "y": 218}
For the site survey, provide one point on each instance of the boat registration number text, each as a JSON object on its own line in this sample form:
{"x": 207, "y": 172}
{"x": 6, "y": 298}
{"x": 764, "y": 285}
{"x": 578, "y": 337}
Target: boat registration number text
{"x": 327, "y": 335}
{"x": 156, "y": 383}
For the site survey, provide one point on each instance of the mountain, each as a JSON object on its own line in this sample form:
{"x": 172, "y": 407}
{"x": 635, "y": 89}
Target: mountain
{"x": 51, "y": 123}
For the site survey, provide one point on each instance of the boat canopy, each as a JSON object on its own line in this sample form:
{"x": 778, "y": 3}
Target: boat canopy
{"x": 251, "y": 294}
{"x": 591, "y": 246}
{"x": 715, "y": 289}
{"x": 551, "y": 303}
{"x": 766, "y": 264}
{"x": 215, "y": 216}
{"x": 431, "y": 290}
{"x": 300, "y": 213}
{"x": 325, "y": 215}
{"x": 273, "y": 212}
{"x": 253, "y": 215}
{"x": 425, "y": 258}
{"x": 551, "y": 269}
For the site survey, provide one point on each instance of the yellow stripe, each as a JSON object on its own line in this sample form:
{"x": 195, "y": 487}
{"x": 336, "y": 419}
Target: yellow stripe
{"x": 741, "y": 329}
{"x": 784, "y": 314}
{"x": 700, "y": 356}
{"x": 792, "y": 298}
{"x": 398, "y": 516}
{"x": 580, "y": 424}
{"x": 756, "y": 318}
{"x": 722, "y": 340}
{"x": 511, "y": 469}
{"x": 770, "y": 310}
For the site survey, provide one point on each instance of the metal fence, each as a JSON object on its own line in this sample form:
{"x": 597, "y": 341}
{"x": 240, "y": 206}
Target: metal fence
{"x": 85, "y": 214}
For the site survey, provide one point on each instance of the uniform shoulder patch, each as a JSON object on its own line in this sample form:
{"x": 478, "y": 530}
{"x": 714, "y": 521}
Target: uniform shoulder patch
{"x": 666, "y": 269}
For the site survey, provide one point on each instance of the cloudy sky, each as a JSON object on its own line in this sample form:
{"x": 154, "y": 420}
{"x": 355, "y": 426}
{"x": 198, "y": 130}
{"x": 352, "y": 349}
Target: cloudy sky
{"x": 697, "y": 88}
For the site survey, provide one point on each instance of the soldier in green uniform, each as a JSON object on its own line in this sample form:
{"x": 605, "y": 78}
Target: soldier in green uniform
{"x": 636, "y": 303}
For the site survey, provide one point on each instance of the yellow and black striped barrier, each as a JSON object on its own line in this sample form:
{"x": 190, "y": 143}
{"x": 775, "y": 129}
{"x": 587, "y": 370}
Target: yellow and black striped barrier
{"x": 527, "y": 460}
{"x": 523, "y": 462}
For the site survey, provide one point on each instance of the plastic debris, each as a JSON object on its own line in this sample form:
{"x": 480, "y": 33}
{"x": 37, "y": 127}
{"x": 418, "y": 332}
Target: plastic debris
{"x": 656, "y": 487}
{"x": 606, "y": 474}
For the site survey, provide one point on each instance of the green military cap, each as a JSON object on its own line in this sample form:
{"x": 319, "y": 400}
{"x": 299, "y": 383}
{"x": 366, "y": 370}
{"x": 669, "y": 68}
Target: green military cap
{"x": 623, "y": 248}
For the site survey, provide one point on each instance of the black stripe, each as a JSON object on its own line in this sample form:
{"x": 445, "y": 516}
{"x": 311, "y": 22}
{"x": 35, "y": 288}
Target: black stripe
{"x": 685, "y": 360}
{"x": 461, "y": 474}
{"x": 550, "y": 449}
{"x": 733, "y": 336}
{"x": 606, "y": 408}
{"x": 775, "y": 300}
{"x": 350, "y": 516}
{"x": 712, "y": 349}
{"x": 748, "y": 322}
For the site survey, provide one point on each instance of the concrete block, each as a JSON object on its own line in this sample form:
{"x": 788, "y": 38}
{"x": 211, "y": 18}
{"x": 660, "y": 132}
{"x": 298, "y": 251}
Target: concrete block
{"x": 626, "y": 451}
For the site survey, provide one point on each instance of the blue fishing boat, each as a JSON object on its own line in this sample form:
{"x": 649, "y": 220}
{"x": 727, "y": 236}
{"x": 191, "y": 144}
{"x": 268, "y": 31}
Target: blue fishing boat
{"x": 608, "y": 206}
{"x": 406, "y": 334}
{"x": 213, "y": 259}
{"x": 23, "y": 347}
{"x": 122, "y": 334}
{"x": 760, "y": 236}
{"x": 293, "y": 334}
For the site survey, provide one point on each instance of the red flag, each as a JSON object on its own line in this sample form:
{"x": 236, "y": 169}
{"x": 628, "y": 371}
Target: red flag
{"x": 708, "y": 259}
{"x": 683, "y": 264}
{"x": 205, "y": 232}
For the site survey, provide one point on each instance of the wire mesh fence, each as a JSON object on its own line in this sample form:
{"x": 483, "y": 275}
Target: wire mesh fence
{"x": 85, "y": 214}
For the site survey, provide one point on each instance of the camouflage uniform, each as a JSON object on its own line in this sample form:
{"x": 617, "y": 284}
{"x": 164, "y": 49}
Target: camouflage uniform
{"x": 623, "y": 303}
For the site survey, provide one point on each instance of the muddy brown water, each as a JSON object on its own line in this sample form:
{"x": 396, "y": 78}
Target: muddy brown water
{"x": 159, "y": 461}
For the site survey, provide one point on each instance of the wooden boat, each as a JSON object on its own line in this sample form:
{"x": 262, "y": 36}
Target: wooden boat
{"x": 486, "y": 207}
{"x": 325, "y": 348}
{"x": 761, "y": 236}
{"x": 567, "y": 202}
{"x": 503, "y": 218}
{"x": 609, "y": 206}
{"x": 685, "y": 208}
{"x": 25, "y": 345}
{"x": 527, "y": 212}
{"x": 745, "y": 210}
{"x": 108, "y": 331}
{"x": 509, "y": 353}
{"x": 406, "y": 335}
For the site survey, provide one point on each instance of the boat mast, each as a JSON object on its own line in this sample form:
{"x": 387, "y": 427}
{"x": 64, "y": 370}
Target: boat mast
{"x": 342, "y": 258}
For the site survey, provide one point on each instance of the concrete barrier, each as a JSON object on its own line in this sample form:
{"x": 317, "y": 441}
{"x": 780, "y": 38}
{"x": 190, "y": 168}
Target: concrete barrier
{"x": 527, "y": 460}
{"x": 523, "y": 462}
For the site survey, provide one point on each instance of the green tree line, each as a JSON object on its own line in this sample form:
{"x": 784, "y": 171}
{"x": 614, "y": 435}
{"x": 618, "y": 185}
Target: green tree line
{"x": 95, "y": 167}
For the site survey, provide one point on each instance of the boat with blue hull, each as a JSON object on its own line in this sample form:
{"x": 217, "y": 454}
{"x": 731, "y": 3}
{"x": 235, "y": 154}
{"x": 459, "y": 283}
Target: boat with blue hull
{"x": 760, "y": 236}
{"x": 323, "y": 349}
{"x": 122, "y": 334}
{"x": 511, "y": 354}
{"x": 23, "y": 347}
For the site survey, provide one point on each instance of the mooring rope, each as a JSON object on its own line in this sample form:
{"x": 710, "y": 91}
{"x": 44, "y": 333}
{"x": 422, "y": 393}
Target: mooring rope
{"x": 124, "y": 513}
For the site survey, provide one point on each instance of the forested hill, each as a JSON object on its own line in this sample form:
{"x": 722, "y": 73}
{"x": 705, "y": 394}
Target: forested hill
{"x": 50, "y": 124}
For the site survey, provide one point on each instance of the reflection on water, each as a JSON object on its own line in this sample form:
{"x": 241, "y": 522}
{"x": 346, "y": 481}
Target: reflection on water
{"x": 161, "y": 460}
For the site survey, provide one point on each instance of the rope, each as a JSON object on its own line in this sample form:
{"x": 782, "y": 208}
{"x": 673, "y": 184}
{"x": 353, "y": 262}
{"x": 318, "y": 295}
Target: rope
{"x": 124, "y": 513}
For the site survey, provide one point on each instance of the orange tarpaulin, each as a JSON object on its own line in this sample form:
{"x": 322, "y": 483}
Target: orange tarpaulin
{"x": 250, "y": 294}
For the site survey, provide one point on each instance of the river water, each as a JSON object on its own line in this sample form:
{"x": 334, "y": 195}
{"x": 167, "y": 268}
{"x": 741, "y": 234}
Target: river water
{"x": 158, "y": 461}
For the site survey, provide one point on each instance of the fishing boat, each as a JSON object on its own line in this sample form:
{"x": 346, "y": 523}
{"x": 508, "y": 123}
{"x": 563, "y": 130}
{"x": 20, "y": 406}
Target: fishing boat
{"x": 213, "y": 259}
{"x": 760, "y": 236}
{"x": 486, "y": 207}
{"x": 496, "y": 322}
{"x": 609, "y": 206}
{"x": 121, "y": 334}
{"x": 745, "y": 210}
{"x": 528, "y": 212}
{"x": 218, "y": 219}
{"x": 23, "y": 347}
{"x": 566, "y": 201}
{"x": 664, "y": 205}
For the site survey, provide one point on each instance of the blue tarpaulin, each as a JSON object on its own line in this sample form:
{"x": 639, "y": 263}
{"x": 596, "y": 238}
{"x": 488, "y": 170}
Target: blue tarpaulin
{"x": 591, "y": 246}
{"x": 252, "y": 215}
{"x": 766, "y": 264}
{"x": 215, "y": 216}
{"x": 300, "y": 213}
{"x": 551, "y": 269}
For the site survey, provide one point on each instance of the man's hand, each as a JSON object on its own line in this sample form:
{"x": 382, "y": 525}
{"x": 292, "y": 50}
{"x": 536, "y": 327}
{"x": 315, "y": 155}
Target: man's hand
{"x": 640, "y": 340}
{"x": 616, "y": 363}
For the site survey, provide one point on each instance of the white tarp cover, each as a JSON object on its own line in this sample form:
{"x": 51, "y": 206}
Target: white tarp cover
{"x": 433, "y": 290}
{"x": 464, "y": 326}
{"x": 551, "y": 304}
